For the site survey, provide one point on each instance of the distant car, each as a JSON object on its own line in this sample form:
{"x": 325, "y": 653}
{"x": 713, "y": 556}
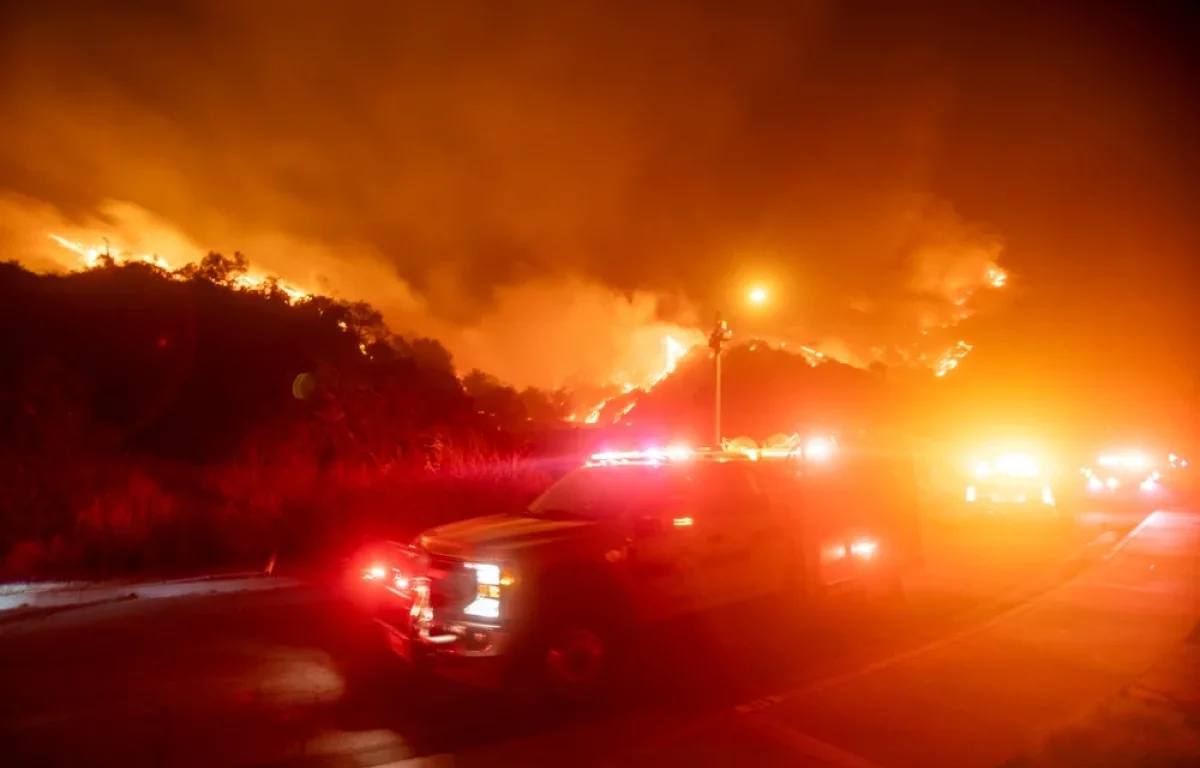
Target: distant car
{"x": 1131, "y": 479}
{"x": 631, "y": 539}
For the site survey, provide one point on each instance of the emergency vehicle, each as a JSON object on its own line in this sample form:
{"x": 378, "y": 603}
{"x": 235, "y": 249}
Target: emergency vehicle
{"x": 1012, "y": 481}
{"x": 633, "y": 538}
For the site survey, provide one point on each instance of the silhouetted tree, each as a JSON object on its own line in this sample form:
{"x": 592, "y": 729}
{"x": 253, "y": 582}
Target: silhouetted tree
{"x": 154, "y": 415}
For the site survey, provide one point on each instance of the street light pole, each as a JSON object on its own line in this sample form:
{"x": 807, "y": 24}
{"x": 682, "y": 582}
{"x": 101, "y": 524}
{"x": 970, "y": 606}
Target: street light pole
{"x": 716, "y": 341}
{"x": 717, "y": 405}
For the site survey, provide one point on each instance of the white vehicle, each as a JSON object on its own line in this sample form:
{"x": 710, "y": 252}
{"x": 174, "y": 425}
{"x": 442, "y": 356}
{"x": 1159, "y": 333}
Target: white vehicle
{"x": 630, "y": 539}
{"x": 1012, "y": 482}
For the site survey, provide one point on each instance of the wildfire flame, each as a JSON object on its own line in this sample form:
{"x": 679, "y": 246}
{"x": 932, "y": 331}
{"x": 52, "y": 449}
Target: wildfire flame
{"x": 94, "y": 257}
{"x": 996, "y": 277}
{"x": 949, "y": 361}
{"x": 673, "y": 352}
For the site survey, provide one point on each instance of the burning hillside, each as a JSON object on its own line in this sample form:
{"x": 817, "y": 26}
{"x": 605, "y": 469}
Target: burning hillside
{"x": 97, "y": 256}
{"x": 615, "y": 400}
{"x": 765, "y": 390}
{"x": 548, "y": 332}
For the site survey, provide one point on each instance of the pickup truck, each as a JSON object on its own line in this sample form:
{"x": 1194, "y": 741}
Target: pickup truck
{"x": 631, "y": 539}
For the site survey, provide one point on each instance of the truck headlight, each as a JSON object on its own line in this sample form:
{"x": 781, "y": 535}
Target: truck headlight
{"x": 484, "y": 608}
{"x": 490, "y": 581}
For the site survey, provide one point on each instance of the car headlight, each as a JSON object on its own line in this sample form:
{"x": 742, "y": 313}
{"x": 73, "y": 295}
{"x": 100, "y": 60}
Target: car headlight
{"x": 864, "y": 548}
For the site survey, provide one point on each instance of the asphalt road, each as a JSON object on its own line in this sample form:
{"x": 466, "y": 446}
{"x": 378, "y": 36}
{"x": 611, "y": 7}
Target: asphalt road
{"x": 296, "y": 678}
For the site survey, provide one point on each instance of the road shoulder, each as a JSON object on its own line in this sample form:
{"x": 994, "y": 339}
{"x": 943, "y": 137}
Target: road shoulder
{"x": 41, "y": 601}
{"x": 1155, "y": 721}
{"x": 995, "y": 691}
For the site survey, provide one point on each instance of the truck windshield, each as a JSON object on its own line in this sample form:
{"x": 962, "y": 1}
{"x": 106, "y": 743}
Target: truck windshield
{"x": 602, "y": 493}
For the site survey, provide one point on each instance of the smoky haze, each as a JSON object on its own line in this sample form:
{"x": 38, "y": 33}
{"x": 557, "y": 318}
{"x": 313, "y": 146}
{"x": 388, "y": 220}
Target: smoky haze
{"x": 544, "y": 185}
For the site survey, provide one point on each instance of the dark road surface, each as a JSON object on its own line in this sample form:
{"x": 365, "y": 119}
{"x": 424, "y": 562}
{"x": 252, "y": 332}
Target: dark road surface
{"x": 294, "y": 677}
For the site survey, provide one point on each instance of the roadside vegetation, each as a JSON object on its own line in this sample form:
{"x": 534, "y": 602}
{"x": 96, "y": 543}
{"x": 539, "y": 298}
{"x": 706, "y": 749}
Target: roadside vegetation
{"x": 152, "y": 422}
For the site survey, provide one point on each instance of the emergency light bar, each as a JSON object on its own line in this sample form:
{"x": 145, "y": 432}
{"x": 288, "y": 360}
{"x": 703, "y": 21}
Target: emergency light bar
{"x": 653, "y": 456}
{"x": 1009, "y": 465}
{"x": 816, "y": 449}
{"x": 1129, "y": 460}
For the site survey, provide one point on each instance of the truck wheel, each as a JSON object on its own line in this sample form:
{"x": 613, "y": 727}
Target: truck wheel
{"x": 571, "y": 652}
{"x": 576, "y": 660}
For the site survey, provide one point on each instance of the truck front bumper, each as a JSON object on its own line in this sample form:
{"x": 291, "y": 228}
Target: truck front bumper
{"x": 461, "y": 648}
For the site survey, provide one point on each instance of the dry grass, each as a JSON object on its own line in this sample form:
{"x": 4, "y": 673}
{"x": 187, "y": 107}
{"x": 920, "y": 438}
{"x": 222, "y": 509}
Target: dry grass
{"x": 1127, "y": 732}
{"x": 127, "y": 518}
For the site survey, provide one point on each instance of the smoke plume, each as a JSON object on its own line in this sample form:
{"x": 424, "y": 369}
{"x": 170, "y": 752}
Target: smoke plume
{"x": 550, "y": 188}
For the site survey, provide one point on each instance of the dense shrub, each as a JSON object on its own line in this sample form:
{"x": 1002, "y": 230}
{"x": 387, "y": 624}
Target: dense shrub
{"x": 162, "y": 422}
